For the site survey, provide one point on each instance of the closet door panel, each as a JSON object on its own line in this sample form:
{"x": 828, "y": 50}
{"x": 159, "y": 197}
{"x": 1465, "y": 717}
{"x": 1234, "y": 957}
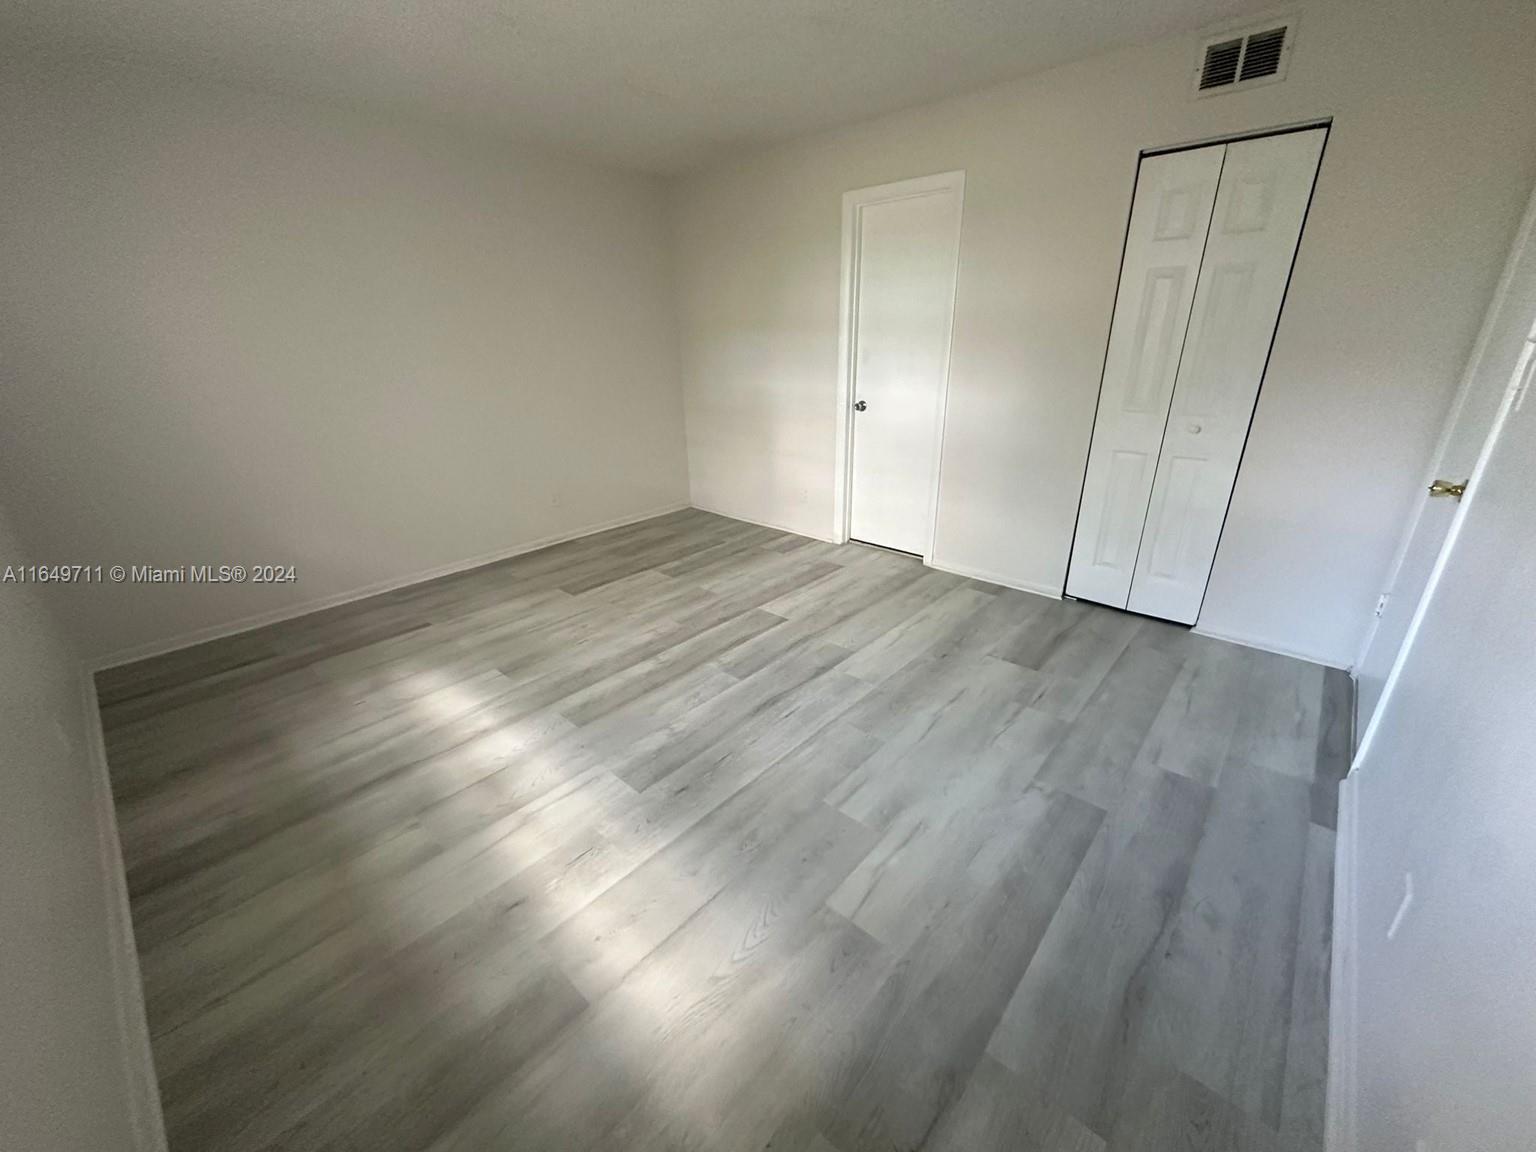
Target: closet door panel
{"x": 1175, "y": 194}
{"x": 1260, "y": 206}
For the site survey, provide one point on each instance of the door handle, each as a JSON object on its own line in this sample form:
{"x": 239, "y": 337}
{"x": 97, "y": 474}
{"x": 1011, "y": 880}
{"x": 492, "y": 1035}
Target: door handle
{"x": 859, "y": 405}
{"x": 1448, "y": 488}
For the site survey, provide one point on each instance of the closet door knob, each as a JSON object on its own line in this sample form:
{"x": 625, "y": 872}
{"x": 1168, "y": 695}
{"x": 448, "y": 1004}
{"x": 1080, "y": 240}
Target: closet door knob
{"x": 859, "y": 405}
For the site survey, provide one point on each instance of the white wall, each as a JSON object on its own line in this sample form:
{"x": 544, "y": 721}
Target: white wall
{"x": 1431, "y": 154}
{"x": 64, "y": 1081}
{"x": 237, "y": 329}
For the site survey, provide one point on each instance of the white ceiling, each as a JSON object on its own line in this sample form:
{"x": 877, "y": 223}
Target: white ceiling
{"x": 651, "y": 84}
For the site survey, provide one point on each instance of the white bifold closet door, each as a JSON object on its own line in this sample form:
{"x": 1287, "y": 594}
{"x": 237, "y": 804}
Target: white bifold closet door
{"x": 1169, "y": 219}
{"x": 1208, "y": 254}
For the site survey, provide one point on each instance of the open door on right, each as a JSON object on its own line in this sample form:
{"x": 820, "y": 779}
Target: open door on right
{"x": 1433, "y": 1001}
{"x": 1504, "y": 340}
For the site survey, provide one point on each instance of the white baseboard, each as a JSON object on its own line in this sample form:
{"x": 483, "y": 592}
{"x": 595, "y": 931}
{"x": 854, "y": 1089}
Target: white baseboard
{"x": 1053, "y": 592}
{"x": 761, "y": 523}
{"x": 1354, "y": 717}
{"x": 277, "y": 616}
{"x": 1050, "y": 590}
{"x": 1343, "y": 998}
{"x": 1265, "y": 645}
{"x": 145, "y": 1117}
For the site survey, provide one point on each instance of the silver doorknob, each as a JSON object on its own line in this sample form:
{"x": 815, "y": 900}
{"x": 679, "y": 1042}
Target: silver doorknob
{"x": 859, "y": 405}
{"x": 1194, "y": 429}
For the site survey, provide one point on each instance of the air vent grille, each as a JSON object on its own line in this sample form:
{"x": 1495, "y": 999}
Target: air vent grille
{"x": 1241, "y": 58}
{"x": 1221, "y": 62}
{"x": 1262, "y": 56}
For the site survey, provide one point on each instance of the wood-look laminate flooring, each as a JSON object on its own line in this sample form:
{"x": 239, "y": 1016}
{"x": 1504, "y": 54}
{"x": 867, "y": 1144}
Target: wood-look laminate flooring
{"x": 695, "y": 834}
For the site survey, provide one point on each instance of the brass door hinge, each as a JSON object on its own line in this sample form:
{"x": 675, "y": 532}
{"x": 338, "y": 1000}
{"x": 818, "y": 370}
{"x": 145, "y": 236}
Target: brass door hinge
{"x": 1448, "y": 488}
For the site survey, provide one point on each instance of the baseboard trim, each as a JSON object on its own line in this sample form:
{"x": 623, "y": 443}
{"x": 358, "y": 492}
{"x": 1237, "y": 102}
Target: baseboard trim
{"x": 277, "y": 616}
{"x": 1264, "y": 645}
{"x": 760, "y": 523}
{"x": 1354, "y": 716}
{"x": 145, "y": 1116}
{"x": 1051, "y": 591}
{"x": 1054, "y": 592}
{"x": 1341, "y": 1131}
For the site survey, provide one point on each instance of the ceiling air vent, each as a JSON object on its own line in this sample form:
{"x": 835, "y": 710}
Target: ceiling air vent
{"x": 1243, "y": 59}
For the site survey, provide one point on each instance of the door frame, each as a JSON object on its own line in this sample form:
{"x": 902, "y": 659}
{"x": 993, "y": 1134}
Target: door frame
{"x": 854, "y": 203}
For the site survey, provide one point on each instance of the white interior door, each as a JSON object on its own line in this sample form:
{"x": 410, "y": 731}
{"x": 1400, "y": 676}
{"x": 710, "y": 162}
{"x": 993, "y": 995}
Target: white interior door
{"x": 1503, "y": 342}
{"x": 1163, "y": 246}
{"x": 906, "y": 243}
{"x": 1438, "y": 945}
{"x": 1261, "y": 203}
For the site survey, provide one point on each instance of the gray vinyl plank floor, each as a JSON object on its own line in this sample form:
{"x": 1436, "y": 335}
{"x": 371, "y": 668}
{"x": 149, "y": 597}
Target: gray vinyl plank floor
{"x": 698, "y": 835}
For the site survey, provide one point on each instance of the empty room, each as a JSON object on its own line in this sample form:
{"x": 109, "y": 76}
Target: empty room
{"x": 860, "y": 577}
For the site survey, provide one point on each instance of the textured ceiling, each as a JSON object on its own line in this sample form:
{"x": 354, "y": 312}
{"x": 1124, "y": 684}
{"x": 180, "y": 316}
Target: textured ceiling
{"x": 653, "y": 84}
